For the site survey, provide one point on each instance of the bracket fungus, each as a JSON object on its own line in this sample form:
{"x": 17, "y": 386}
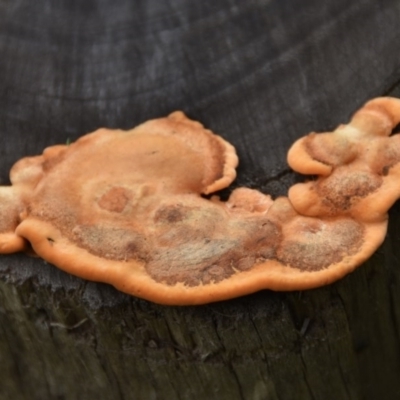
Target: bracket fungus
{"x": 127, "y": 208}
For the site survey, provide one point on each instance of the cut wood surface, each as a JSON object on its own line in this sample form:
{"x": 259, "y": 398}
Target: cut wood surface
{"x": 260, "y": 74}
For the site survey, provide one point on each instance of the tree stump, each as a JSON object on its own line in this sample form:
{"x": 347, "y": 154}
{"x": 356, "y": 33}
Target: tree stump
{"x": 259, "y": 73}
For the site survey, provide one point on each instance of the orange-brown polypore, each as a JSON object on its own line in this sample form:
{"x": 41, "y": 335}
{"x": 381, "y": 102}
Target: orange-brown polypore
{"x": 357, "y": 166}
{"x": 126, "y": 208}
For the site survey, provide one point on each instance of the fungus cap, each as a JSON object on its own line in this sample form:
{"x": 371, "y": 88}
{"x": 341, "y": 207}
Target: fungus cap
{"x": 357, "y": 166}
{"x": 127, "y": 208}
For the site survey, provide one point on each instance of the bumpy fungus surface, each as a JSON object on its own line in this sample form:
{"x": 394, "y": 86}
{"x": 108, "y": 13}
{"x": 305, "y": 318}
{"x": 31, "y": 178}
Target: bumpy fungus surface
{"x": 126, "y": 208}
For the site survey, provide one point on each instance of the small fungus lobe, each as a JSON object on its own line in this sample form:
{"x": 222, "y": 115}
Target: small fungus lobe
{"x": 128, "y": 208}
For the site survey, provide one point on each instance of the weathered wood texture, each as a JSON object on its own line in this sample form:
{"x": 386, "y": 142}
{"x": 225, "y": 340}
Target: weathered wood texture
{"x": 261, "y": 73}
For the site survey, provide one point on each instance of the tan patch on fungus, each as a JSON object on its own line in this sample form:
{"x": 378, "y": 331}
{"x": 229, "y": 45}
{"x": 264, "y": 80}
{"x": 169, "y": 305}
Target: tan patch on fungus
{"x": 329, "y": 150}
{"x": 344, "y": 189}
{"x": 213, "y": 253}
{"x": 115, "y": 199}
{"x": 111, "y": 243}
{"x": 170, "y": 214}
{"x": 10, "y": 215}
{"x": 10, "y": 208}
{"x": 316, "y": 245}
